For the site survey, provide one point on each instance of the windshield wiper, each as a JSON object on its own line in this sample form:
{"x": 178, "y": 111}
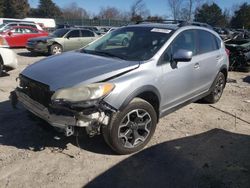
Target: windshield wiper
{"x": 107, "y": 54}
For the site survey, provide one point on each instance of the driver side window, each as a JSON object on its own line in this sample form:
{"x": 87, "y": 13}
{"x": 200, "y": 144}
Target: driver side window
{"x": 184, "y": 41}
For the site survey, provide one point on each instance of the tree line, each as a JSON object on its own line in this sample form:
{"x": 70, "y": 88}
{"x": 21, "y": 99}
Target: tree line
{"x": 198, "y": 10}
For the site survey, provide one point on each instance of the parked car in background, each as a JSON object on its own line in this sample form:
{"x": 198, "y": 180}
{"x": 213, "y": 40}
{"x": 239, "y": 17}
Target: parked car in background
{"x": 91, "y": 28}
{"x": 61, "y": 40}
{"x": 6, "y": 26}
{"x": 224, "y": 33}
{"x": 19, "y": 35}
{"x": 8, "y": 60}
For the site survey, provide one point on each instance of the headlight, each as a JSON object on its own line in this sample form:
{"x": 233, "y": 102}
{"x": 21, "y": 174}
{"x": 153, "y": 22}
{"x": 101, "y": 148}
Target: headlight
{"x": 83, "y": 93}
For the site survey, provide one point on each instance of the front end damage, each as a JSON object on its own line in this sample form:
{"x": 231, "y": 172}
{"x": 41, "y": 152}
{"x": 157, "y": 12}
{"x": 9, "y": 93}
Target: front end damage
{"x": 36, "y": 98}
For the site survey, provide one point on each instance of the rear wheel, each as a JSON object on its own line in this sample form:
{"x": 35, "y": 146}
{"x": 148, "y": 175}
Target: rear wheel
{"x": 131, "y": 129}
{"x": 55, "y": 49}
{"x": 217, "y": 89}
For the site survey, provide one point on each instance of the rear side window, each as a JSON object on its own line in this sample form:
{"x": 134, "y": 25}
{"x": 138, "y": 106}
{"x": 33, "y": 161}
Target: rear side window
{"x": 29, "y": 25}
{"x": 86, "y": 33}
{"x": 218, "y": 42}
{"x": 74, "y": 34}
{"x": 206, "y": 42}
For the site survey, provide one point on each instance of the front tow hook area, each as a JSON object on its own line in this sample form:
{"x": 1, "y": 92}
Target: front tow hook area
{"x": 13, "y": 99}
{"x": 69, "y": 130}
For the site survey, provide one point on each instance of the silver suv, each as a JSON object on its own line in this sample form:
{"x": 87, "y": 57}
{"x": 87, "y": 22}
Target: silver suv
{"x": 121, "y": 90}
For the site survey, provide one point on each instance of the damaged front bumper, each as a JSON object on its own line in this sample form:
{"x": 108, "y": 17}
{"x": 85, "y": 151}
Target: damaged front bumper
{"x": 91, "y": 122}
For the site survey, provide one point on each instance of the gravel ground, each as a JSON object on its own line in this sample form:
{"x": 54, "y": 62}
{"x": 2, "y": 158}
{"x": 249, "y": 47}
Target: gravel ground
{"x": 199, "y": 145}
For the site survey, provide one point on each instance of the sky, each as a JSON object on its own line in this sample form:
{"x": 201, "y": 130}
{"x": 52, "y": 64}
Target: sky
{"x": 156, "y": 7}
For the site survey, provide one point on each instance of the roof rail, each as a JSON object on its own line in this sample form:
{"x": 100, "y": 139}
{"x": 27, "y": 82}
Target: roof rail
{"x": 162, "y": 21}
{"x": 179, "y": 23}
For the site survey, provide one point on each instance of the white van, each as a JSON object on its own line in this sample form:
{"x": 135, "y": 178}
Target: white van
{"x": 46, "y": 23}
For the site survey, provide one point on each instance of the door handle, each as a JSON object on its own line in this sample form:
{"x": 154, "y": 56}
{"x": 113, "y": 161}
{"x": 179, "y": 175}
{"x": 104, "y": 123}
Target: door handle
{"x": 196, "y": 65}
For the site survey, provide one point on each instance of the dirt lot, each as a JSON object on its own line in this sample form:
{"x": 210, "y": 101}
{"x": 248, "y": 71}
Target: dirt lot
{"x": 198, "y": 146}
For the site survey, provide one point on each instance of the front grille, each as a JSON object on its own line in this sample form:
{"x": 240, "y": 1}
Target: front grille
{"x": 35, "y": 90}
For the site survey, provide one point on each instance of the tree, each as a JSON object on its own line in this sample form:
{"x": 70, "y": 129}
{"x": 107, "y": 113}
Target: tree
{"x": 175, "y": 6}
{"x": 1, "y": 8}
{"x": 139, "y": 11}
{"x": 210, "y": 14}
{"x": 73, "y": 11}
{"x": 48, "y": 9}
{"x": 109, "y": 13}
{"x": 154, "y": 18}
{"x": 241, "y": 18}
{"x": 15, "y": 8}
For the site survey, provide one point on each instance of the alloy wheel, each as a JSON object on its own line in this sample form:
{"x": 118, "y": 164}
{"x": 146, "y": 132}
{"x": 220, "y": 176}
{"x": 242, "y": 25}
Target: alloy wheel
{"x": 134, "y": 128}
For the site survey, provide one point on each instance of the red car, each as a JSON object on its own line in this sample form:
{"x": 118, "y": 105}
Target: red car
{"x": 18, "y": 36}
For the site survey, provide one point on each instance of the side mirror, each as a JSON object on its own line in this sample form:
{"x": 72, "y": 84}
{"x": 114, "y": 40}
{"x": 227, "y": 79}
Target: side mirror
{"x": 183, "y": 55}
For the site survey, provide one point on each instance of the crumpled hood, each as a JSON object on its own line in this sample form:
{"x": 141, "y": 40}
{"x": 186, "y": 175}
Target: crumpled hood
{"x": 73, "y": 68}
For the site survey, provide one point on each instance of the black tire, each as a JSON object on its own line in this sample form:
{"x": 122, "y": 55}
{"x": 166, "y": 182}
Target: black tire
{"x": 217, "y": 89}
{"x": 1, "y": 66}
{"x": 55, "y": 49}
{"x": 132, "y": 136}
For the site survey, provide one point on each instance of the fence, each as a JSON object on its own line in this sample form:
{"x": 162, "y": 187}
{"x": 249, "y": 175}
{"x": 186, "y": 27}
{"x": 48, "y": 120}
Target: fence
{"x": 92, "y": 22}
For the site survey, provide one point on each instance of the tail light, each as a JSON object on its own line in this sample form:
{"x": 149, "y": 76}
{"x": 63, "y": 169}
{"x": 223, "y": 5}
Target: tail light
{"x": 3, "y": 42}
{"x": 227, "y": 51}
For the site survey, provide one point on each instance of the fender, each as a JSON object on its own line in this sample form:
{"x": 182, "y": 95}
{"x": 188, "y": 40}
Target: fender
{"x": 138, "y": 91}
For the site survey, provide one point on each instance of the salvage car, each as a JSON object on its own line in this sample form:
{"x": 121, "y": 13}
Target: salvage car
{"x": 61, "y": 40}
{"x": 19, "y": 35}
{"x": 122, "y": 91}
{"x": 239, "y": 54}
{"x": 8, "y": 60}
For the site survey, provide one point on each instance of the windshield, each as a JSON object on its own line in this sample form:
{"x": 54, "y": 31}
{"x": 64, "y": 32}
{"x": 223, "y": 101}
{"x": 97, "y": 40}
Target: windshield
{"x": 130, "y": 43}
{"x": 59, "y": 33}
{"x": 2, "y": 26}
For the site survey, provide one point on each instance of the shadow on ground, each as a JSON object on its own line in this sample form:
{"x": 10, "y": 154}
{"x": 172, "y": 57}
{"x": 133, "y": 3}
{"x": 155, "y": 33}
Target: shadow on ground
{"x": 246, "y": 79}
{"x": 21, "y": 129}
{"x": 213, "y": 159}
{"x": 32, "y": 54}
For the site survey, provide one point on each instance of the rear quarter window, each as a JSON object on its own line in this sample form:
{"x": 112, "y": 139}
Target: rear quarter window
{"x": 218, "y": 42}
{"x": 86, "y": 33}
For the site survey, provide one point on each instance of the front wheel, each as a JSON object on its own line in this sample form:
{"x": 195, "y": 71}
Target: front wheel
{"x": 131, "y": 129}
{"x": 217, "y": 89}
{"x": 55, "y": 49}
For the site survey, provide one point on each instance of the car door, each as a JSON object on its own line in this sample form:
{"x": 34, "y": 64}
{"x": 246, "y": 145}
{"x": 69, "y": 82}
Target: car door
{"x": 177, "y": 78}
{"x": 14, "y": 37}
{"x": 87, "y": 37}
{"x": 27, "y": 34}
{"x": 72, "y": 40}
{"x": 208, "y": 58}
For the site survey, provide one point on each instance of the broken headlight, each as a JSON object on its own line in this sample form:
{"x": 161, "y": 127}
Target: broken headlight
{"x": 83, "y": 93}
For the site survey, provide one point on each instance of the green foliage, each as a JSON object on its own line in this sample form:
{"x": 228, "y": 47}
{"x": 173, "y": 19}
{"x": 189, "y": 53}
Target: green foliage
{"x": 241, "y": 17}
{"x": 211, "y": 14}
{"x": 48, "y": 9}
{"x": 1, "y": 8}
{"x": 15, "y": 8}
